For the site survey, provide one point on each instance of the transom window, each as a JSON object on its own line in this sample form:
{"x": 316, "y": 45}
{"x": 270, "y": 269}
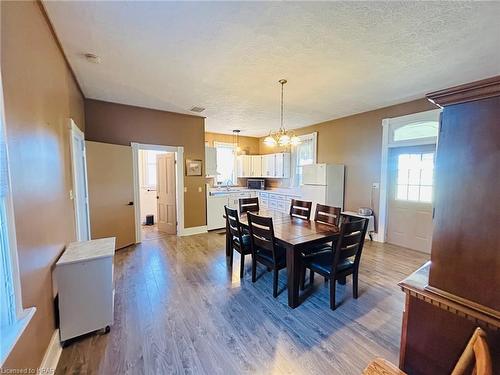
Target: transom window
{"x": 416, "y": 130}
{"x": 415, "y": 177}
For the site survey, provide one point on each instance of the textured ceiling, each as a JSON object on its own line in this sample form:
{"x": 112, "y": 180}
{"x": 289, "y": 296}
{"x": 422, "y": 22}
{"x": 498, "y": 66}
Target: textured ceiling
{"x": 340, "y": 58}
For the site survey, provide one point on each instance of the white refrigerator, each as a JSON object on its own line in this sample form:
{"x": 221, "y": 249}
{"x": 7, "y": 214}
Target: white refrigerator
{"x": 323, "y": 184}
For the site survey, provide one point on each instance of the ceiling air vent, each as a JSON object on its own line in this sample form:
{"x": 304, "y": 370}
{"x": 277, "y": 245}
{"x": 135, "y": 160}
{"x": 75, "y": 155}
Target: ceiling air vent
{"x": 197, "y": 109}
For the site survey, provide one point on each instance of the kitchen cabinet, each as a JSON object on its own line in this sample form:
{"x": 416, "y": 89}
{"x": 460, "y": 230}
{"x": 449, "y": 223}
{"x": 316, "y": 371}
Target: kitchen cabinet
{"x": 210, "y": 161}
{"x": 276, "y": 201}
{"x": 216, "y": 201}
{"x": 282, "y": 165}
{"x": 269, "y": 165}
{"x": 245, "y": 166}
{"x": 256, "y": 166}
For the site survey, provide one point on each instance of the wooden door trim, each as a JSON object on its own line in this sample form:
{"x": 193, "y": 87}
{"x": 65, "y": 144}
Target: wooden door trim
{"x": 179, "y": 186}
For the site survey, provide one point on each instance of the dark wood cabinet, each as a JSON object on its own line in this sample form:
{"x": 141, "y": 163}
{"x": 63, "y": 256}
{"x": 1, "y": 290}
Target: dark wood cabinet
{"x": 460, "y": 287}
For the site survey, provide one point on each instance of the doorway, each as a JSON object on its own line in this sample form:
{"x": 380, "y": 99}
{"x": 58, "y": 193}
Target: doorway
{"x": 158, "y": 184}
{"x": 157, "y": 193}
{"x": 406, "y": 182}
{"x": 79, "y": 193}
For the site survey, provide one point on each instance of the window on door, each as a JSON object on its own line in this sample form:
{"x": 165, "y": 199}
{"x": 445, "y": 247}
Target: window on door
{"x": 415, "y": 177}
{"x": 303, "y": 154}
{"x": 226, "y": 163}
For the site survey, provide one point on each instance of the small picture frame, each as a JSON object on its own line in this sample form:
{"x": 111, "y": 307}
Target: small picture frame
{"x": 193, "y": 167}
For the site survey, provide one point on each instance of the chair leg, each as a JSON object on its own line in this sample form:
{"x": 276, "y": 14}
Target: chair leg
{"x": 342, "y": 280}
{"x": 332, "y": 293}
{"x": 326, "y": 279}
{"x": 242, "y": 265}
{"x": 231, "y": 258}
{"x": 311, "y": 277}
{"x": 275, "y": 283}
{"x": 355, "y": 284}
{"x": 302, "y": 277}
{"x": 254, "y": 269}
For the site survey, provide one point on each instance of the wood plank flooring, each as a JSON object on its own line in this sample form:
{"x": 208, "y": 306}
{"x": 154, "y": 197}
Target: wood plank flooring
{"x": 179, "y": 310}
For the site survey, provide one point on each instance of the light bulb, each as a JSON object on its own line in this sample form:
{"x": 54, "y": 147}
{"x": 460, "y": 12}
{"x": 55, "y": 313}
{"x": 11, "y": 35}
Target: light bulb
{"x": 284, "y": 140}
{"x": 270, "y": 141}
{"x": 294, "y": 141}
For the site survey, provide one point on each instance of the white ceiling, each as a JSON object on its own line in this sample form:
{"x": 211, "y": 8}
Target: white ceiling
{"x": 340, "y": 58}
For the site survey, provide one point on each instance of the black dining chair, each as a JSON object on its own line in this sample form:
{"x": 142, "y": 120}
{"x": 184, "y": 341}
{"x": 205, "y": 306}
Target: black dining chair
{"x": 324, "y": 215}
{"x": 343, "y": 260}
{"x": 300, "y": 209}
{"x": 264, "y": 248}
{"x": 239, "y": 241}
{"x": 248, "y": 204}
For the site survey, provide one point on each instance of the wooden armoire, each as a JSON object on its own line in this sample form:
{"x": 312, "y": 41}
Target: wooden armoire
{"x": 459, "y": 289}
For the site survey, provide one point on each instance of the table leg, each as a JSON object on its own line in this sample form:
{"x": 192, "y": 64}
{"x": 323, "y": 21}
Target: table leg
{"x": 293, "y": 273}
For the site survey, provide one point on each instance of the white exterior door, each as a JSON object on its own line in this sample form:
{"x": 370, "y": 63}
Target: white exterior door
{"x": 411, "y": 178}
{"x": 165, "y": 188}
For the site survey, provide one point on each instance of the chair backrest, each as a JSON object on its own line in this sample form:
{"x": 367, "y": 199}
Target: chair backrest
{"x": 476, "y": 356}
{"x": 261, "y": 233}
{"x": 233, "y": 226}
{"x": 327, "y": 214}
{"x": 350, "y": 242}
{"x": 300, "y": 209}
{"x": 248, "y": 204}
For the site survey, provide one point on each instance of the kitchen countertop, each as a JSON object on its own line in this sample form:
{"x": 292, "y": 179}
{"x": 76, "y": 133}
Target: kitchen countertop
{"x": 87, "y": 250}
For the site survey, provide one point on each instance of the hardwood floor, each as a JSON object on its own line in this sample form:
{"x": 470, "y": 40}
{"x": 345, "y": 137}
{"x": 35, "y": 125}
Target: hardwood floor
{"x": 178, "y": 310}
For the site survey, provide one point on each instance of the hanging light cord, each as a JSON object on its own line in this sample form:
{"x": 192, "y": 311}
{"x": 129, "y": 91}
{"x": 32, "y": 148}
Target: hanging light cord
{"x": 282, "y": 85}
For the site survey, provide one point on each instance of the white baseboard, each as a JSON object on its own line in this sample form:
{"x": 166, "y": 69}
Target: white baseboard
{"x": 53, "y": 352}
{"x": 194, "y": 230}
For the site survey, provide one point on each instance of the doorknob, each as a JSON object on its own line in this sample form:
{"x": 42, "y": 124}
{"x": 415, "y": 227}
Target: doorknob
{"x": 130, "y": 204}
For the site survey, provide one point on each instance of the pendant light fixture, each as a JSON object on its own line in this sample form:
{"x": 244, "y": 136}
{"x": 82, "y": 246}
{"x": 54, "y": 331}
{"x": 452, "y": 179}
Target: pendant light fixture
{"x": 282, "y": 137}
{"x": 236, "y": 140}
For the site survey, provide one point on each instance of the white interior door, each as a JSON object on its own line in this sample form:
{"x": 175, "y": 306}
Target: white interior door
{"x": 166, "y": 197}
{"x": 410, "y": 198}
{"x": 80, "y": 188}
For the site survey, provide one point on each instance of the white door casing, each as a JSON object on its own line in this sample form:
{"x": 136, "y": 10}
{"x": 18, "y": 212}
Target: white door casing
{"x": 165, "y": 190}
{"x": 80, "y": 186}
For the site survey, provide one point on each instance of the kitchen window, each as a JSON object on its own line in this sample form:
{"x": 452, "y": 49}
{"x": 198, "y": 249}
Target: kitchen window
{"x": 303, "y": 154}
{"x": 226, "y": 163}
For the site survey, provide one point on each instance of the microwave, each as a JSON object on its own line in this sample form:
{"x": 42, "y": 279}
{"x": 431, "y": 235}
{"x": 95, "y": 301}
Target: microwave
{"x": 255, "y": 184}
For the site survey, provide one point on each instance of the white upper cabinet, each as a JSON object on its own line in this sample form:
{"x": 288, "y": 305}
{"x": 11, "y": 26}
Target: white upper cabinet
{"x": 245, "y": 166}
{"x": 269, "y": 165}
{"x": 256, "y": 166}
{"x": 282, "y": 165}
{"x": 210, "y": 161}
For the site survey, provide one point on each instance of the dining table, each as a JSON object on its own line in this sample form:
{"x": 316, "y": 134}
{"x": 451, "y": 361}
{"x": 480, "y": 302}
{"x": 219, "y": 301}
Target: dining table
{"x": 294, "y": 234}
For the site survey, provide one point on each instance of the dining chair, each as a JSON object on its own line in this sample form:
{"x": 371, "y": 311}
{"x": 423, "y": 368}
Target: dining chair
{"x": 343, "y": 260}
{"x": 325, "y": 215}
{"x": 264, "y": 248}
{"x": 248, "y": 204}
{"x": 300, "y": 209}
{"x": 475, "y": 359}
{"x": 239, "y": 241}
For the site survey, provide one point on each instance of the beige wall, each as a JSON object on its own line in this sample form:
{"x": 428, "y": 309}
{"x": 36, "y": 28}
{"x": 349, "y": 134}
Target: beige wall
{"x": 40, "y": 96}
{"x": 122, "y": 124}
{"x": 356, "y": 141}
{"x": 249, "y": 145}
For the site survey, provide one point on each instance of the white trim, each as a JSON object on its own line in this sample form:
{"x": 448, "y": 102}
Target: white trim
{"x": 194, "y": 230}
{"x": 52, "y": 354}
{"x": 14, "y": 332}
{"x": 179, "y": 184}
{"x": 388, "y": 125}
{"x": 75, "y": 132}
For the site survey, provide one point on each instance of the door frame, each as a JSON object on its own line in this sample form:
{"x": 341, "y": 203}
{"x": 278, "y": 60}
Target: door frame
{"x": 75, "y": 132}
{"x": 179, "y": 184}
{"x": 388, "y": 127}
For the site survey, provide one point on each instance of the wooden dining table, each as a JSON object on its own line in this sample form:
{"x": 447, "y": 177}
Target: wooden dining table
{"x": 294, "y": 235}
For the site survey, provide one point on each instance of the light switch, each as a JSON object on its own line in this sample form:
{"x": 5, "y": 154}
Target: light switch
{"x": 71, "y": 194}
{"x": 185, "y": 189}
{"x": 199, "y": 189}
{"x": 375, "y": 185}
